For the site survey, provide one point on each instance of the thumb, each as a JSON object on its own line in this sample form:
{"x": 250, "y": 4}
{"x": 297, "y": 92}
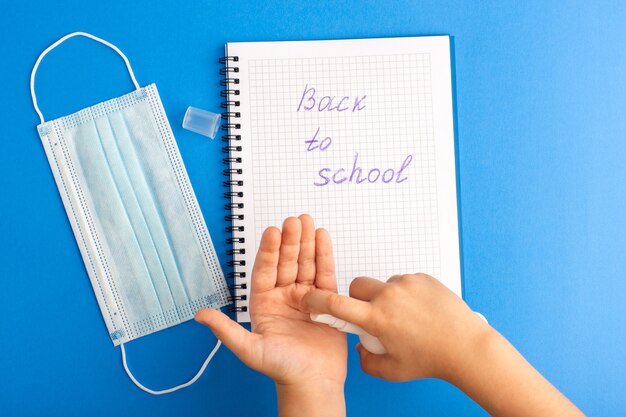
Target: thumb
{"x": 239, "y": 340}
{"x": 374, "y": 365}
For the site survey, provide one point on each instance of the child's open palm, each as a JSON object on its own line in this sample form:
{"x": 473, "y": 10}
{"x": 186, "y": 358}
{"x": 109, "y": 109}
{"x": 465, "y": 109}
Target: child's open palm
{"x": 284, "y": 344}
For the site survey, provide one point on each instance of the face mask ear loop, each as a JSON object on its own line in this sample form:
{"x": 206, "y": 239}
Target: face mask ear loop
{"x": 176, "y": 388}
{"x": 60, "y": 41}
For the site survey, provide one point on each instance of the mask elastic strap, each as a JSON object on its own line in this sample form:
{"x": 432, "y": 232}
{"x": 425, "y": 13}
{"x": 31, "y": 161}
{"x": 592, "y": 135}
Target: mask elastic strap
{"x": 176, "y": 388}
{"x": 60, "y": 41}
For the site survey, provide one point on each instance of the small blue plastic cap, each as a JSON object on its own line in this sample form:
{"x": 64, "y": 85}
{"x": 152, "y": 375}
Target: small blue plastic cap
{"x": 201, "y": 121}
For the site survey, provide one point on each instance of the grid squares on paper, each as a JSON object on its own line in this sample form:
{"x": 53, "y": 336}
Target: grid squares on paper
{"x": 378, "y": 229}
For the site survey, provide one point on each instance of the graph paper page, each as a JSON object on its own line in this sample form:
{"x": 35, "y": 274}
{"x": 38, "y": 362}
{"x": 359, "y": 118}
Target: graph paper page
{"x": 359, "y": 134}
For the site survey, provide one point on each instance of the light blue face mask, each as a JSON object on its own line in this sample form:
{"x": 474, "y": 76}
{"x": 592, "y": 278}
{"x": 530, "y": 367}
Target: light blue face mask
{"x": 134, "y": 213}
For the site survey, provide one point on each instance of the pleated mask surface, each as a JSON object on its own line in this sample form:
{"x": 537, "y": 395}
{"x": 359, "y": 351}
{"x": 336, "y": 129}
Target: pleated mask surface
{"x": 133, "y": 211}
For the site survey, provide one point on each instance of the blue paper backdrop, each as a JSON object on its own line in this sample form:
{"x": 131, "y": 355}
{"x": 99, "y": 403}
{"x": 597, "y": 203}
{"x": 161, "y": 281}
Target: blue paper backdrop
{"x": 540, "y": 96}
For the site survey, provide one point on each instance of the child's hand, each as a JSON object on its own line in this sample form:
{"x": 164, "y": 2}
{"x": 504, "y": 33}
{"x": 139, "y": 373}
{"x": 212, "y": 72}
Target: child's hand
{"x": 306, "y": 360}
{"x": 430, "y": 332}
{"x": 424, "y": 326}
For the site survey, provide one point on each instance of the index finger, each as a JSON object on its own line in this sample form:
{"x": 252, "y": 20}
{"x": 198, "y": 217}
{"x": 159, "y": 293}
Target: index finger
{"x": 345, "y": 308}
{"x": 265, "y": 266}
{"x": 365, "y": 288}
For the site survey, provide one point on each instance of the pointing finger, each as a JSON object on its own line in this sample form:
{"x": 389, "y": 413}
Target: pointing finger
{"x": 364, "y": 288}
{"x": 266, "y": 263}
{"x": 345, "y": 308}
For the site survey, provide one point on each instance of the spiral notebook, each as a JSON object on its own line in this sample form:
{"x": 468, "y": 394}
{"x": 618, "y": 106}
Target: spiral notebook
{"x": 357, "y": 133}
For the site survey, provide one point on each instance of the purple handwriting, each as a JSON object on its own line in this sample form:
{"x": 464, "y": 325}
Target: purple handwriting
{"x": 309, "y": 102}
{"x": 323, "y": 145}
{"x": 340, "y": 175}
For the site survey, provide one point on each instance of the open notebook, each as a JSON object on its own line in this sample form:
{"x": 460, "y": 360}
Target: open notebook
{"x": 357, "y": 133}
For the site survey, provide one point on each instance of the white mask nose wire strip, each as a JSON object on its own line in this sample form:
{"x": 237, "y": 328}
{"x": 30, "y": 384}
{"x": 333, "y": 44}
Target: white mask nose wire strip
{"x": 60, "y": 41}
{"x": 176, "y": 388}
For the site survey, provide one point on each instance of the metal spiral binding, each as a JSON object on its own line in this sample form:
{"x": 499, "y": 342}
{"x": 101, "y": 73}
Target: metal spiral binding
{"x": 233, "y": 183}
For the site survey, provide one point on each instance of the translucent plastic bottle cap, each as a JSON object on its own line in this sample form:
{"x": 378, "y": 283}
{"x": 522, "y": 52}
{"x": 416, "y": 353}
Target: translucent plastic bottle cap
{"x": 201, "y": 121}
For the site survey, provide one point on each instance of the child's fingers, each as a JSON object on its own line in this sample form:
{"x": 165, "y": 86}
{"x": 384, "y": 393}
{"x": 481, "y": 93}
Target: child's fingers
{"x": 325, "y": 262}
{"x": 394, "y": 278}
{"x": 364, "y": 288}
{"x": 375, "y": 365}
{"x": 240, "y": 341}
{"x": 346, "y": 308}
{"x": 306, "y": 258}
{"x": 266, "y": 263}
{"x": 289, "y": 251}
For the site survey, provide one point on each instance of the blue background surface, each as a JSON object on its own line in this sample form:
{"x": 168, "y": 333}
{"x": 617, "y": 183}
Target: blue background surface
{"x": 541, "y": 99}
